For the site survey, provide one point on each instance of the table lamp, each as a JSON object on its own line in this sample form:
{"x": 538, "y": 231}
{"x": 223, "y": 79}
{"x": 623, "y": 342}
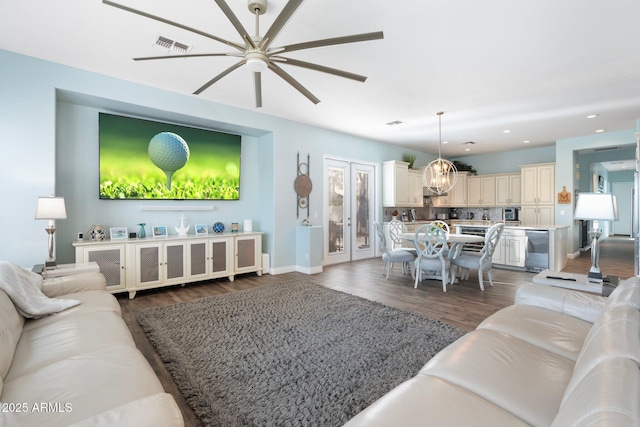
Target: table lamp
{"x": 51, "y": 208}
{"x": 596, "y": 207}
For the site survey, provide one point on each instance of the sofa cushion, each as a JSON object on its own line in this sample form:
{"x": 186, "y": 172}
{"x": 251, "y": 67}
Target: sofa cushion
{"x": 82, "y": 386}
{"x": 584, "y": 306}
{"x": 615, "y": 335}
{"x": 522, "y": 379}
{"x": 626, "y": 293}
{"x": 427, "y": 400}
{"x": 48, "y": 343}
{"x": 553, "y": 331}
{"x": 157, "y": 410}
{"x": 11, "y": 324}
{"x": 608, "y": 395}
{"x": 92, "y": 301}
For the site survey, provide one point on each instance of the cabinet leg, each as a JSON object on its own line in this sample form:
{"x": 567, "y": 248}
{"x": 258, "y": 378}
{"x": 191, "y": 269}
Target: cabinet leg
{"x": 259, "y": 272}
{"x": 132, "y": 294}
{"x": 232, "y": 278}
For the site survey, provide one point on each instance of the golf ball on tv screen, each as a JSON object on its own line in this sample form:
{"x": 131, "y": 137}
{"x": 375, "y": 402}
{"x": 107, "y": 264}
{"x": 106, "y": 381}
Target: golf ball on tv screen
{"x": 168, "y": 151}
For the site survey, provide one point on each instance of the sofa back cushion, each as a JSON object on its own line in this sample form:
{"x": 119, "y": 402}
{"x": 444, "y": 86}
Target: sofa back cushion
{"x": 608, "y": 365}
{"x": 11, "y": 324}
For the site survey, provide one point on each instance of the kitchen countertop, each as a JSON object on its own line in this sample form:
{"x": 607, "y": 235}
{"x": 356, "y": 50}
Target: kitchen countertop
{"x": 484, "y": 224}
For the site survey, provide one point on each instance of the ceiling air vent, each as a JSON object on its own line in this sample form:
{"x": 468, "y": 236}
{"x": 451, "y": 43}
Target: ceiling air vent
{"x": 164, "y": 42}
{"x": 180, "y": 48}
{"x": 605, "y": 148}
{"x": 395, "y": 123}
{"x": 469, "y": 143}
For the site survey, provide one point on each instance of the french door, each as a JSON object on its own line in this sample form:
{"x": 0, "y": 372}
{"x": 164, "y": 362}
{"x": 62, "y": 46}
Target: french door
{"x": 349, "y": 201}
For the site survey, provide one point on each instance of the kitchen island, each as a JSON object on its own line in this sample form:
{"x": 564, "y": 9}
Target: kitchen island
{"x": 523, "y": 248}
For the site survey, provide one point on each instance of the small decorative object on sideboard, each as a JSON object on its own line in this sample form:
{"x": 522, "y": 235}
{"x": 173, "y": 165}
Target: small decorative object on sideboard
{"x": 142, "y": 233}
{"x": 218, "y": 227}
{"x": 201, "y": 229}
{"x": 97, "y": 233}
{"x": 234, "y": 227}
{"x": 183, "y": 229}
{"x": 116, "y": 233}
{"x": 159, "y": 231}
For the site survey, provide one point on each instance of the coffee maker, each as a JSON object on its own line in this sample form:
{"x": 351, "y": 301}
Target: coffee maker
{"x": 412, "y": 215}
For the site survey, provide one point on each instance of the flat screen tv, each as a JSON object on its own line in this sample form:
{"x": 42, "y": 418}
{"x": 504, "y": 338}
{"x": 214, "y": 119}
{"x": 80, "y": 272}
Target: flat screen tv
{"x": 145, "y": 159}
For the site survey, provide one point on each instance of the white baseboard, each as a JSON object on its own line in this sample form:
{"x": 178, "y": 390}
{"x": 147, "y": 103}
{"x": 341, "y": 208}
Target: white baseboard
{"x": 282, "y": 270}
{"x": 292, "y": 268}
{"x": 573, "y": 255}
{"x": 309, "y": 270}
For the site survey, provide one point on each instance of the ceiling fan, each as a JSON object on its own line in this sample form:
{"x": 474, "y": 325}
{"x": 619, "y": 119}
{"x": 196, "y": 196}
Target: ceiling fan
{"x": 256, "y": 51}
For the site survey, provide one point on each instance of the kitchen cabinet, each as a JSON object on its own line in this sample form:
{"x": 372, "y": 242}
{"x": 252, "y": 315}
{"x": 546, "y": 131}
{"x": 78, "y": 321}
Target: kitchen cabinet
{"x": 457, "y": 196}
{"x": 537, "y": 215}
{"x": 508, "y": 189}
{"x": 401, "y": 187}
{"x": 395, "y": 183}
{"x": 481, "y": 190}
{"x": 538, "y": 194}
{"x": 538, "y": 184}
{"x": 511, "y": 248}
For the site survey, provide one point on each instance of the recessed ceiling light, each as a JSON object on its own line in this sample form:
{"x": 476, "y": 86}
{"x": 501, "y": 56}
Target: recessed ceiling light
{"x": 600, "y": 130}
{"x": 467, "y": 149}
{"x": 592, "y": 116}
{"x": 445, "y": 142}
{"x": 506, "y": 131}
{"x": 526, "y": 141}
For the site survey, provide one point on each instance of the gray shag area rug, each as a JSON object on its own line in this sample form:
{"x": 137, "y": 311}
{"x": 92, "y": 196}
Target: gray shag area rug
{"x": 289, "y": 354}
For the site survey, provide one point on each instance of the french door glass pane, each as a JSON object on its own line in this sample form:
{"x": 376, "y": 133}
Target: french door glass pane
{"x": 336, "y": 210}
{"x": 362, "y": 217}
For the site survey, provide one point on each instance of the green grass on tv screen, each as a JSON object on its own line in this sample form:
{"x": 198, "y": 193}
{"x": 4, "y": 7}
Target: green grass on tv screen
{"x": 128, "y": 171}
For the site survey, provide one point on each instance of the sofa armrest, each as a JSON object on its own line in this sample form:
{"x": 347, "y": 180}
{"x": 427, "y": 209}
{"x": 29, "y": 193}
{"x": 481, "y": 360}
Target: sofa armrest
{"x": 577, "y": 304}
{"x": 64, "y": 285}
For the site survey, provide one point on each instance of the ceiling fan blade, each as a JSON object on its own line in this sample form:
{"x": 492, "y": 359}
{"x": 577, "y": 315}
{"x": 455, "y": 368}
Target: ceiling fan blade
{"x": 293, "y": 82}
{"x": 280, "y": 22}
{"x": 321, "y": 68}
{"x": 175, "y": 24}
{"x": 257, "y": 84}
{"x": 330, "y": 42}
{"x": 193, "y": 55}
{"x": 218, "y": 77}
{"x": 235, "y": 22}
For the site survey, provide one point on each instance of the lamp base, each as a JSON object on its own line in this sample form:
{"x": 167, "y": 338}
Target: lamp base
{"x": 595, "y": 277}
{"x": 50, "y": 265}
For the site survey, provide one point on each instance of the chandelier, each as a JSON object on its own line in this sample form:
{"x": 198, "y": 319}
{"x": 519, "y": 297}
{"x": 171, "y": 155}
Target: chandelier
{"x": 440, "y": 175}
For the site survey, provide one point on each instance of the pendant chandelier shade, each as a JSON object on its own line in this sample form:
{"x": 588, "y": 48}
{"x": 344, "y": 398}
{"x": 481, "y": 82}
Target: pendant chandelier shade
{"x": 440, "y": 175}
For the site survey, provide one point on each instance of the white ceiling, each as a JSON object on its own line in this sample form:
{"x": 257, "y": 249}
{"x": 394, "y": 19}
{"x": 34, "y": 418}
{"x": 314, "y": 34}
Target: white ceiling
{"x": 536, "y": 68}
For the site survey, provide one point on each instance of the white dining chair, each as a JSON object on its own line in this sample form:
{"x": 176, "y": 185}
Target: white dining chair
{"x": 391, "y": 256}
{"x": 431, "y": 243}
{"x": 481, "y": 261}
{"x": 397, "y": 227}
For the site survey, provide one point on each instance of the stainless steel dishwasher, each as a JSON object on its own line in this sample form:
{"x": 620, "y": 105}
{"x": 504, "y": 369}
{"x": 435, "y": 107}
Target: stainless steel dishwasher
{"x": 537, "y": 250}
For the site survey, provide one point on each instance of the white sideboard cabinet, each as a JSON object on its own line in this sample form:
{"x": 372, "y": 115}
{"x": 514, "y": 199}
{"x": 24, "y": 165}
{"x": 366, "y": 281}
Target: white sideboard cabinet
{"x": 130, "y": 265}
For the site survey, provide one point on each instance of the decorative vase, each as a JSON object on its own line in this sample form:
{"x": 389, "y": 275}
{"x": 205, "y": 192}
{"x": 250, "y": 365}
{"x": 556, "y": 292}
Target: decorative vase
{"x": 142, "y": 233}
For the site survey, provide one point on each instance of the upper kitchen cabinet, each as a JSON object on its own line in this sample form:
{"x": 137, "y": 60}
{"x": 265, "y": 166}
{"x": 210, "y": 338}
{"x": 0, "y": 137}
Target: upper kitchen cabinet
{"x": 457, "y": 196}
{"x": 481, "y": 190}
{"x": 538, "y": 191}
{"x": 508, "y": 189}
{"x": 538, "y": 184}
{"x": 401, "y": 187}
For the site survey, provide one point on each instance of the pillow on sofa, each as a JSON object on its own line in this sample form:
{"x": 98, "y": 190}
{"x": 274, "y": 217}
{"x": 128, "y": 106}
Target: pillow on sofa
{"x": 24, "y": 289}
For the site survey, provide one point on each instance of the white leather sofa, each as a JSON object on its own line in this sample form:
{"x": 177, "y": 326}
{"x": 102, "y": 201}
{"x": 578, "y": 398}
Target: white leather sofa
{"x": 78, "y": 367}
{"x": 555, "y": 358}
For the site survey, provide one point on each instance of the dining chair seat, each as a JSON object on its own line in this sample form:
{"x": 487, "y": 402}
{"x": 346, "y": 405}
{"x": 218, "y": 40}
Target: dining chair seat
{"x": 391, "y": 256}
{"x": 481, "y": 261}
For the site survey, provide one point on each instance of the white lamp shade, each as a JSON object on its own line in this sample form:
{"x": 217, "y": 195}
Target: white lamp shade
{"x": 51, "y": 208}
{"x": 596, "y": 207}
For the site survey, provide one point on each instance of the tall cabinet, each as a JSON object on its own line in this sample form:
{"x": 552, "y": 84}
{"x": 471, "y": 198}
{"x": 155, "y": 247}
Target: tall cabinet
{"x": 401, "y": 186}
{"x": 538, "y": 194}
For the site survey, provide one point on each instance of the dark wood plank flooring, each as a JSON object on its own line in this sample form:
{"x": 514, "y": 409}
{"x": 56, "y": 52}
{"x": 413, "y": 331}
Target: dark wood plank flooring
{"x": 464, "y": 305}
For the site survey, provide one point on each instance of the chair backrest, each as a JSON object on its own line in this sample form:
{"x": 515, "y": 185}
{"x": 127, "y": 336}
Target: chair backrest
{"x": 382, "y": 241}
{"x": 441, "y": 224}
{"x": 431, "y": 241}
{"x": 395, "y": 228}
{"x": 491, "y": 240}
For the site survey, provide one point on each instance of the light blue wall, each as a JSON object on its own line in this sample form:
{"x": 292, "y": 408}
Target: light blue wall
{"x": 509, "y": 161}
{"x": 48, "y": 138}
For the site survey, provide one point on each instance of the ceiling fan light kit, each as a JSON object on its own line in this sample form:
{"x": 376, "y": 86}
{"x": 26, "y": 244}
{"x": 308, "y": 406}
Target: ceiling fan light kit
{"x": 255, "y": 51}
